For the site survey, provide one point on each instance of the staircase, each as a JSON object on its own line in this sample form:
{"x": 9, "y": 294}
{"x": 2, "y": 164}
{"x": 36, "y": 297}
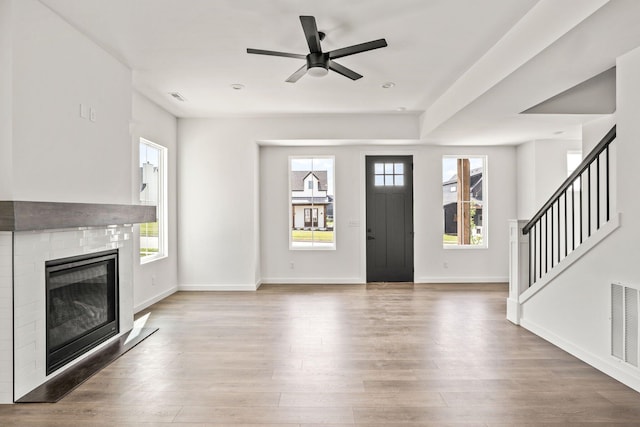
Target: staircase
{"x": 574, "y": 220}
{"x": 574, "y": 277}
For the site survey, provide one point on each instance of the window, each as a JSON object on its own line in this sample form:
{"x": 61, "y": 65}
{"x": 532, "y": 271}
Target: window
{"x": 153, "y": 187}
{"x": 464, "y": 189}
{"x": 312, "y": 205}
{"x": 574, "y": 158}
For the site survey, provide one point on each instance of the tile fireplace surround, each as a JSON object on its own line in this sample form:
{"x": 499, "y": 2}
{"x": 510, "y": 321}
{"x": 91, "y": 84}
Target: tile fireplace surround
{"x": 32, "y": 233}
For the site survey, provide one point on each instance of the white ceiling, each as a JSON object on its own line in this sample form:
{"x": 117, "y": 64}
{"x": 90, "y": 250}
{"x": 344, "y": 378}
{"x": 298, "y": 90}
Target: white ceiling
{"x": 198, "y": 48}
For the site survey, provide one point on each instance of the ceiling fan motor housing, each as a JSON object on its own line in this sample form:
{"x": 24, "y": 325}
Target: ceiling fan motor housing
{"x": 318, "y": 64}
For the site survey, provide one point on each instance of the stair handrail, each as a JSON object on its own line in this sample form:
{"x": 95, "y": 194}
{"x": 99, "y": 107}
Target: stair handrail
{"x": 583, "y": 166}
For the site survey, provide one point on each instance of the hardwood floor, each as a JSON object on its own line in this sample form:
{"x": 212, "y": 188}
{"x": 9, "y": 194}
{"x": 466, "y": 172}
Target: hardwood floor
{"x": 423, "y": 355}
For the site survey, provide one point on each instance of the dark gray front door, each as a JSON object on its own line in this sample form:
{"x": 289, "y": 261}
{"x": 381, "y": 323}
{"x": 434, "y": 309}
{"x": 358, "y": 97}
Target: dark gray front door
{"x": 389, "y": 218}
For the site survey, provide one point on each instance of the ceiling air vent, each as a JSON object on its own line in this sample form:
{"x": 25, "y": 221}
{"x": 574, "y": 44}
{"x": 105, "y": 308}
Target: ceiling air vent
{"x": 177, "y": 96}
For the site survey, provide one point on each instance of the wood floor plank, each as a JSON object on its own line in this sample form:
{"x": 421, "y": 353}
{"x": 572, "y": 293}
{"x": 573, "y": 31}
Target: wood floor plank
{"x": 257, "y": 415}
{"x": 340, "y": 355}
{"x": 408, "y": 399}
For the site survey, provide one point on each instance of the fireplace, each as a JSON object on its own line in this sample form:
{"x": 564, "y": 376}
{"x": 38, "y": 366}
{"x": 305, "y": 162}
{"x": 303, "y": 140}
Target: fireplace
{"x": 81, "y": 305}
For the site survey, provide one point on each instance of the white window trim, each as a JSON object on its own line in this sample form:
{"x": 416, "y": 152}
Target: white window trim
{"x": 311, "y": 248}
{"x": 485, "y": 207}
{"x": 163, "y": 227}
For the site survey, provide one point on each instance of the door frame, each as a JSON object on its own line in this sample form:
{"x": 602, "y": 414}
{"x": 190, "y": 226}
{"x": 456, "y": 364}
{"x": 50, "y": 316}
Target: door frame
{"x": 363, "y": 203}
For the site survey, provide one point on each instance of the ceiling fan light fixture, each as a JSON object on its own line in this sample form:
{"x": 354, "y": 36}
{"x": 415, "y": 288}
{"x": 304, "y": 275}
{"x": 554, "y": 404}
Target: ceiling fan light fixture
{"x": 317, "y": 71}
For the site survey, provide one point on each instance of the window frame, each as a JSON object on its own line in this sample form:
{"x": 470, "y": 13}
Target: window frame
{"x": 485, "y": 204}
{"x": 161, "y": 206}
{"x": 311, "y": 247}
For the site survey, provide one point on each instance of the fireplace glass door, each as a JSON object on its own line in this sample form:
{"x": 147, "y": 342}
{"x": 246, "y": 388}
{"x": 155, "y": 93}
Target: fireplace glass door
{"x": 82, "y": 305}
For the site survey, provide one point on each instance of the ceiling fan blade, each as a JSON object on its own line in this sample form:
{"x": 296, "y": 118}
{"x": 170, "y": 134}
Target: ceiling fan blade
{"x": 296, "y": 76}
{"x": 357, "y": 48}
{"x": 311, "y": 33}
{"x": 274, "y": 53}
{"x": 344, "y": 70}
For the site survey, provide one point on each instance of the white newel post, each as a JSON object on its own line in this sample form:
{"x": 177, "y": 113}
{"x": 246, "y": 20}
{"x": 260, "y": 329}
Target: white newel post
{"x": 518, "y": 267}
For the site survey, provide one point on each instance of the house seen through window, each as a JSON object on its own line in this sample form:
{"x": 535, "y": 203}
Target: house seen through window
{"x": 312, "y": 205}
{"x": 463, "y": 201}
{"x": 153, "y": 192}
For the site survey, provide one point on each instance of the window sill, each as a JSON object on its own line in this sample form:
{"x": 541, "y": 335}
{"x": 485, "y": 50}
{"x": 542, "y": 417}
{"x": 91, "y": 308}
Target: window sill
{"x": 152, "y": 258}
{"x": 312, "y": 248}
{"x": 464, "y": 247}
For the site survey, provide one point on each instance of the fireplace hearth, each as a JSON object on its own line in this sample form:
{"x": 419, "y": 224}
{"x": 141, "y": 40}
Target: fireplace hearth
{"x": 81, "y": 304}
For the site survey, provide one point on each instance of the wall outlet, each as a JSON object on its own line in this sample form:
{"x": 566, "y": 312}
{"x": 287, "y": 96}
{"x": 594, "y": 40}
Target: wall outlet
{"x": 291, "y": 265}
{"x": 153, "y": 280}
{"x": 445, "y": 265}
{"x": 92, "y": 114}
{"x": 83, "y": 111}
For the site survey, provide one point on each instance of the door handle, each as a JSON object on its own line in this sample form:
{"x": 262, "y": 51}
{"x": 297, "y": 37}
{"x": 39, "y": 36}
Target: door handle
{"x": 371, "y": 238}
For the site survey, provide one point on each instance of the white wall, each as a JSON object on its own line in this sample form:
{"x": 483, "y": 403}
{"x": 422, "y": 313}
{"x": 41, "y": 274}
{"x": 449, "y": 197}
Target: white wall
{"x": 435, "y": 264}
{"x": 342, "y": 265}
{"x": 219, "y": 198}
{"x": 573, "y": 311}
{"x": 526, "y": 179}
{"x": 6, "y": 99}
{"x": 346, "y": 264}
{"x": 48, "y": 152}
{"x": 217, "y": 163}
{"x": 593, "y": 131}
{"x": 542, "y": 167}
{"x": 57, "y": 155}
{"x": 155, "y": 280}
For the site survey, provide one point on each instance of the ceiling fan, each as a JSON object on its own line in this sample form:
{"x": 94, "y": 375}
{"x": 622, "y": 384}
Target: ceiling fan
{"x": 318, "y": 62}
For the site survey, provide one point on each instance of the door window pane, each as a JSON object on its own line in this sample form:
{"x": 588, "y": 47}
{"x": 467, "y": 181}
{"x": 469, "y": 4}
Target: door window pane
{"x": 388, "y": 174}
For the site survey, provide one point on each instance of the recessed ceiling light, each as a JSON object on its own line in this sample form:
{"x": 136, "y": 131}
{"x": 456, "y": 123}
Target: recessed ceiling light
{"x": 388, "y": 85}
{"x": 177, "y": 96}
{"x": 401, "y": 108}
{"x": 237, "y": 86}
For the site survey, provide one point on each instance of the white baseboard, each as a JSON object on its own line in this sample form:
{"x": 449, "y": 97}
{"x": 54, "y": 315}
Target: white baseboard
{"x": 610, "y": 366}
{"x": 313, "y": 281}
{"x": 219, "y": 287}
{"x": 138, "y": 308}
{"x": 449, "y": 279}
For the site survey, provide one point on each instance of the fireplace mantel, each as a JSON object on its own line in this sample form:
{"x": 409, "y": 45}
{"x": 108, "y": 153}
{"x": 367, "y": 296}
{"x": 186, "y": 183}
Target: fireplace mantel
{"x": 30, "y": 216}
